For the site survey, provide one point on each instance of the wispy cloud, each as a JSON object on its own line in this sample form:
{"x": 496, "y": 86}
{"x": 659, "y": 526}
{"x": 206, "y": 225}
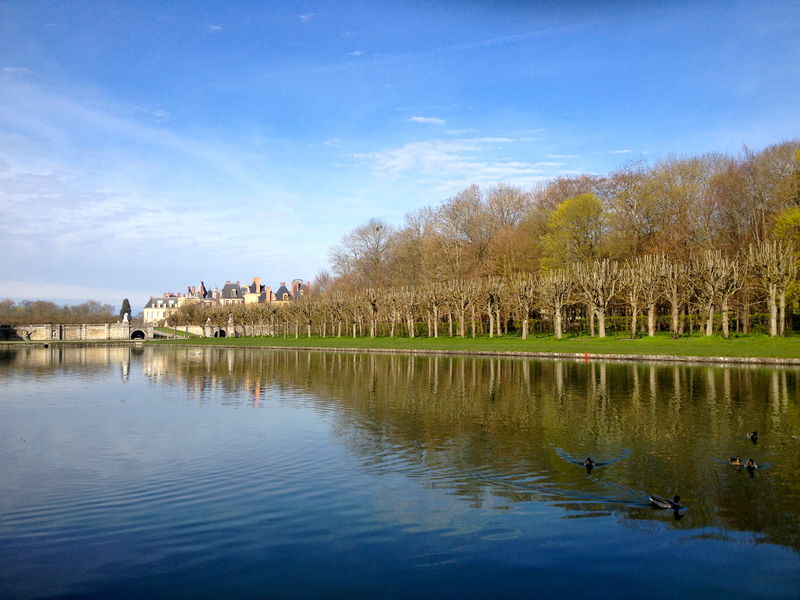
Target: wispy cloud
{"x": 214, "y": 28}
{"x": 626, "y": 151}
{"x": 355, "y": 53}
{"x": 306, "y": 17}
{"x": 69, "y": 292}
{"x": 427, "y": 120}
{"x": 447, "y": 164}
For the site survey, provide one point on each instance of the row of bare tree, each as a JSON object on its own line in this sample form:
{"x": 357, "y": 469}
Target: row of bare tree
{"x": 708, "y": 284}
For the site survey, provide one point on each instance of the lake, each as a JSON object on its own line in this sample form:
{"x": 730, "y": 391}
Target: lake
{"x": 132, "y": 472}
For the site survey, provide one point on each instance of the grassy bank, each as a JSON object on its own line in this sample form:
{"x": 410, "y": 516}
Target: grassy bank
{"x": 755, "y": 346}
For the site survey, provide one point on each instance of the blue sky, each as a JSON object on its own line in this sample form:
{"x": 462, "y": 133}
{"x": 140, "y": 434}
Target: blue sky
{"x": 145, "y": 146}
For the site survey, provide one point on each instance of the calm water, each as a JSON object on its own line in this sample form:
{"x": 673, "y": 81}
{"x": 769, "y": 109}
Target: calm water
{"x": 215, "y": 473}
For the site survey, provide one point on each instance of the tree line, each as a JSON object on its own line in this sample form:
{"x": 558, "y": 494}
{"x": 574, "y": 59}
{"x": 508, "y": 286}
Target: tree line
{"x": 42, "y": 311}
{"x": 693, "y": 243}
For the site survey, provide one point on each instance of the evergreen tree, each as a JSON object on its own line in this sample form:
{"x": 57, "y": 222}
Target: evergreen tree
{"x": 126, "y": 308}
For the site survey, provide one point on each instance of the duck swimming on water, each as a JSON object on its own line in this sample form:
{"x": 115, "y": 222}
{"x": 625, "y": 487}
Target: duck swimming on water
{"x": 751, "y": 465}
{"x": 659, "y": 502}
{"x": 752, "y": 436}
{"x": 736, "y": 461}
{"x": 589, "y": 464}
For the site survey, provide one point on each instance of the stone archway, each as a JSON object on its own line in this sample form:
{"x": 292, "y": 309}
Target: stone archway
{"x": 220, "y": 333}
{"x": 137, "y": 334}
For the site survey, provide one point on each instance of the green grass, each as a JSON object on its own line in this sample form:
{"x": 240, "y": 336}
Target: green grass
{"x": 756, "y": 346}
{"x": 178, "y": 332}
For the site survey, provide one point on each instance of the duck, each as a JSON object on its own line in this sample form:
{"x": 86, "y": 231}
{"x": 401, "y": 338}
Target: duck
{"x": 659, "y": 502}
{"x": 752, "y": 436}
{"x": 751, "y": 465}
{"x": 736, "y": 461}
{"x": 588, "y": 462}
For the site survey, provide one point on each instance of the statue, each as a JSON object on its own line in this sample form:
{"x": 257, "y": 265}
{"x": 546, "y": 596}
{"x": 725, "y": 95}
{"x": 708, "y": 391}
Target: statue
{"x": 125, "y": 318}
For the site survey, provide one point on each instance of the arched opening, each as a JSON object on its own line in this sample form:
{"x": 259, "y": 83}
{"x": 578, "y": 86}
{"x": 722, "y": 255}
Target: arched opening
{"x": 219, "y": 333}
{"x": 137, "y": 335}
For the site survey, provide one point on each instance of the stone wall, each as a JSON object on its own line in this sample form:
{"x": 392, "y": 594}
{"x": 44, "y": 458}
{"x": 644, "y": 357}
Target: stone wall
{"x": 49, "y": 332}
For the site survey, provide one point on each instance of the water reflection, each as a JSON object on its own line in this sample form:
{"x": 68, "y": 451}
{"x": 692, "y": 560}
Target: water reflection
{"x": 520, "y": 430}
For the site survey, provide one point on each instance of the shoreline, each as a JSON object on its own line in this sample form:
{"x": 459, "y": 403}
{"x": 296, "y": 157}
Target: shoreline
{"x": 586, "y": 356}
{"x": 752, "y": 360}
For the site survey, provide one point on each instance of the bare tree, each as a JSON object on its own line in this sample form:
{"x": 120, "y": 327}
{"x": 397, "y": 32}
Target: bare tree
{"x": 523, "y": 290}
{"x": 709, "y": 271}
{"x": 633, "y": 285}
{"x": 598, "y": 282}
{"x": 774, "y": 265}
{"x": 365, "y": 252}
{"x": 555, "y": 292}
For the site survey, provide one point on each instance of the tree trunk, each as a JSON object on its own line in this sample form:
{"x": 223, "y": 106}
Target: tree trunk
{"x": 782, "y": 311}
{"x": 601, "y": 322}
{"x": 634, "y": 317}
{"x": 651, "y": 320}
{"x": 525, "y": 329}
{"x": 675, "y": 311}
{"x": 590, "y": 313}
{"x": 473, "y": 320}
{"x": 710, "y": 320}
{"x": 491, "y": 320}
{"x": 450, "y": 323}
{"x": 435, "y": 321}
{"x": 499, "y": 330}
{"x": 773, "y": 310}
{"x": 746, "y": 310}
{"x": 726, "y": 332}
{"x": 557, "y": 323}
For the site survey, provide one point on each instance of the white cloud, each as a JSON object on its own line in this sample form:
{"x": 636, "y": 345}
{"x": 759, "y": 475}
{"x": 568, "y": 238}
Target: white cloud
{"x": 355, "y": 53}
{"x": 214, "y": 28}
{"x": 562, "y": 156}
{"x": 306, "y": 17}
{"x": 15, "y": 70}
{"x": 621, "y": 151}
{"x": 448, "y": 164}
{"x": 427, "y": 120}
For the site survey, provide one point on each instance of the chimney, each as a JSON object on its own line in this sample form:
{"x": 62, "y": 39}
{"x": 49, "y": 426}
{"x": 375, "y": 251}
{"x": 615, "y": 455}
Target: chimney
{"x": 267, "y": 294}
{"x": 257, "y": 284}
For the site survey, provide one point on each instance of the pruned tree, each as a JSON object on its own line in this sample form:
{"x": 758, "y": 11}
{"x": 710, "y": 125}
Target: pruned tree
{"x": 598, "y": 283}
{"x": 523, "y": 289}
{"x": 633, "y": 286}
{"x": 555, "y": 292}
{"x": 774, "y": 266}
{"x": 708, "y": 272}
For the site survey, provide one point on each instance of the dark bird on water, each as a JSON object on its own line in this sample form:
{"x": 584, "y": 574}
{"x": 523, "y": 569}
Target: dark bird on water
{"x": 659, "y": 502}
{"x": 751, "y": 466}
{"x": 589, "y": 464}
{"x": 753, "y": 436}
